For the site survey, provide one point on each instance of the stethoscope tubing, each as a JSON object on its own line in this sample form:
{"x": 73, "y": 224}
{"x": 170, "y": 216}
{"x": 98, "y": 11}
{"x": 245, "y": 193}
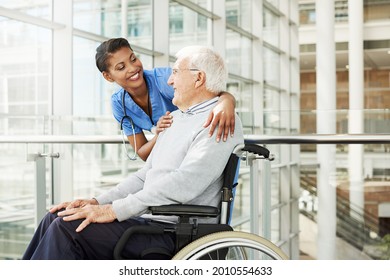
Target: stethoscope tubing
{"x": 125, "y": 116}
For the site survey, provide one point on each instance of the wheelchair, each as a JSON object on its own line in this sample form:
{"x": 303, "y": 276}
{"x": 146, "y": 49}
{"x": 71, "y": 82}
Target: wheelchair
{"x": 205, "y": 241}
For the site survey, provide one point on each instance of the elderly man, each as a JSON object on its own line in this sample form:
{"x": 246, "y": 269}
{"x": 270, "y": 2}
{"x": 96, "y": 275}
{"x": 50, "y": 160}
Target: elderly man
{"x": 185, "y": 166}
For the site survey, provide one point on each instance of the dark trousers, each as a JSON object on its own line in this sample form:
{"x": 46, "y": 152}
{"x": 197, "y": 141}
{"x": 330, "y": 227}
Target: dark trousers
{"x": 56, "y": 239}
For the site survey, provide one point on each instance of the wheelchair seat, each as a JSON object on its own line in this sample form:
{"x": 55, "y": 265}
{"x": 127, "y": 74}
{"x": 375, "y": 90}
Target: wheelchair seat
{"x": 187, "y": 229}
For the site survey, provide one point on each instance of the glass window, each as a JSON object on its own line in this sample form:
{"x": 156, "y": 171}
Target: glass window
{"x": 187, "y": 27}
{"x": 271, "y": 112}
{"x": 205, "y": 4}
{"x": 232, "y": 16}
{"x": 37, "y": 8}
{"x": 243, "y": 93}
{"x": 275, "y": 3}
{"x": 140, "y": 23}
{"x": 103, "y": 17}
{"x": 24, "y": 66}
{"x": 91, "y": 93}
{"x": 307, "y": 13}
{"x": 175, "y": 19}
{"x": 238, "y": 13}
{"x": 238, "y": 54}
{"x": 376, "y": 10}
{"x": 271, "y": 67}
{"x": 98, "y": 16}
{"x": 270, "y": 27}
{"x": 341, "y": 11}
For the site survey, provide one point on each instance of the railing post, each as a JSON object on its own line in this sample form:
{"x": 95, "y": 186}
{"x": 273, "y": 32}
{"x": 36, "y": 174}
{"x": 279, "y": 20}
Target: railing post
{"x": 260, "y": 196}
{"x": 255, "y": 201}
{"x": 40, "y": 184}
{"x": 266, "y": 198}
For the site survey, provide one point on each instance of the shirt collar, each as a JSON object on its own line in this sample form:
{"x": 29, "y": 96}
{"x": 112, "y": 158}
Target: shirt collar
{"x": 201, "y": 107}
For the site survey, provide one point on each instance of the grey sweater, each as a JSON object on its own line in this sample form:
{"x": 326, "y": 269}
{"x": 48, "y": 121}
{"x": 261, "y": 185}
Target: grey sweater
{"x": 185, "y": 166}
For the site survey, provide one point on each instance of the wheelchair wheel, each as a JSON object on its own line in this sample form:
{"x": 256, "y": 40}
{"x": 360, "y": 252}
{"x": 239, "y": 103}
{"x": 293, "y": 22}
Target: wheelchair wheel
{"x": 231, "y": 245}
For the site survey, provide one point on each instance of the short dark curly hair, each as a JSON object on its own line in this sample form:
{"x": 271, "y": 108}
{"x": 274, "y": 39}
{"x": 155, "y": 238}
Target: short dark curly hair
{"x": 107, "y": 48}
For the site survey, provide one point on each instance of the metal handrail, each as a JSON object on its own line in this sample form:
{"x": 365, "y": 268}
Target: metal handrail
{"x": 62, "y": 139}
{"x": 320, "y": 139}
{"x": 258, "y": 139}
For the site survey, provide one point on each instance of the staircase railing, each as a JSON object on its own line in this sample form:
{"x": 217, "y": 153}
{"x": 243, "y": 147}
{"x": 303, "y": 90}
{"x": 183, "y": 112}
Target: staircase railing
{"x": 354, "y": 225}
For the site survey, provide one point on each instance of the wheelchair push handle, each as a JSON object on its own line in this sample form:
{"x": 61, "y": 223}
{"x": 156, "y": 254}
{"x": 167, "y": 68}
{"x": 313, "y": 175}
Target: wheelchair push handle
{"x": 254, "y": 149}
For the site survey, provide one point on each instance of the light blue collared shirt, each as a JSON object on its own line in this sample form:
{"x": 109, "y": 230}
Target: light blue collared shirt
{"x": 201, "y": 107}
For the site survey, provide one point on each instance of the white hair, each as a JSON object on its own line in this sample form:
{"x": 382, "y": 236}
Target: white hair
{"x": 208, "y": 61}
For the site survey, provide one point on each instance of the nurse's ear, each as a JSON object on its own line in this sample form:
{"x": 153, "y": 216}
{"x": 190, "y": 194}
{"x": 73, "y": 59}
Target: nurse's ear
{"x": 107, "y": 76}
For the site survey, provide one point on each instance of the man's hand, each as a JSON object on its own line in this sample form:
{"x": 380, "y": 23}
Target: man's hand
{"x": 90, "y": 214}
{"x": 73, "y": 204}
{"x": 222, "y": 115}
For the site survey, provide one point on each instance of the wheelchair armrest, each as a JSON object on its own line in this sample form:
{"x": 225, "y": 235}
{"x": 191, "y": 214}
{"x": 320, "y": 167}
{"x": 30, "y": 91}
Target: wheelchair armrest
{"x": 185, "y": 210}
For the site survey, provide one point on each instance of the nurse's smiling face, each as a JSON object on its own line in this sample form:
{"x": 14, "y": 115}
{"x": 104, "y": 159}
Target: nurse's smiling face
{"x": 125, "y": 69}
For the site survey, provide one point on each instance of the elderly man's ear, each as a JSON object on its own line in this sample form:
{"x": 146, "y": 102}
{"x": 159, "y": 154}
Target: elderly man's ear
{"x": 200, "y": 79}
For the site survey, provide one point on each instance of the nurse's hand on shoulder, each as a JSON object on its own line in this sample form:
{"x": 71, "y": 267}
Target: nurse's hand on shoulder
{"x": 222, "y": 115}
{"x": 90, "y": 214}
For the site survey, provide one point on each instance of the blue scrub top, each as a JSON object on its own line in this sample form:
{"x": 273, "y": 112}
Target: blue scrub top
{"x": 161, "y": 95}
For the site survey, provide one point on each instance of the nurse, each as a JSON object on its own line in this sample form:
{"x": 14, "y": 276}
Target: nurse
{"x": 144, "y": 100}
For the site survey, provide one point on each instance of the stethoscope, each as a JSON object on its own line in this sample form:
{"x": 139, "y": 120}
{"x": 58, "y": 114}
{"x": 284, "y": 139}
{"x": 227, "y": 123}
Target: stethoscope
{"x": 124, "y": 140}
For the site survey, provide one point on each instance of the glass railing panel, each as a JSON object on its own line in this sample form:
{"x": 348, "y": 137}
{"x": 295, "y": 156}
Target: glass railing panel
{"x": 94, "y": 169}
{"x": 375, "y": 121}
{"x": 241, "y": 214}
{"x": 360, "y": 226}
{"x": 17, "y": 181}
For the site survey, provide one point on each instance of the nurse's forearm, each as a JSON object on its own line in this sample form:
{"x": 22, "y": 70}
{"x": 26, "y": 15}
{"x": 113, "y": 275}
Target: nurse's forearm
{"x": 145, "y": 150}
{"x": 228, "y": 96}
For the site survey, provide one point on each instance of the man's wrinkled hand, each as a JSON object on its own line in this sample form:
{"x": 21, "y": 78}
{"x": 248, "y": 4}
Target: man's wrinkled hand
{"x": 90, "y": 214}
{"x": 73, "y": 204}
